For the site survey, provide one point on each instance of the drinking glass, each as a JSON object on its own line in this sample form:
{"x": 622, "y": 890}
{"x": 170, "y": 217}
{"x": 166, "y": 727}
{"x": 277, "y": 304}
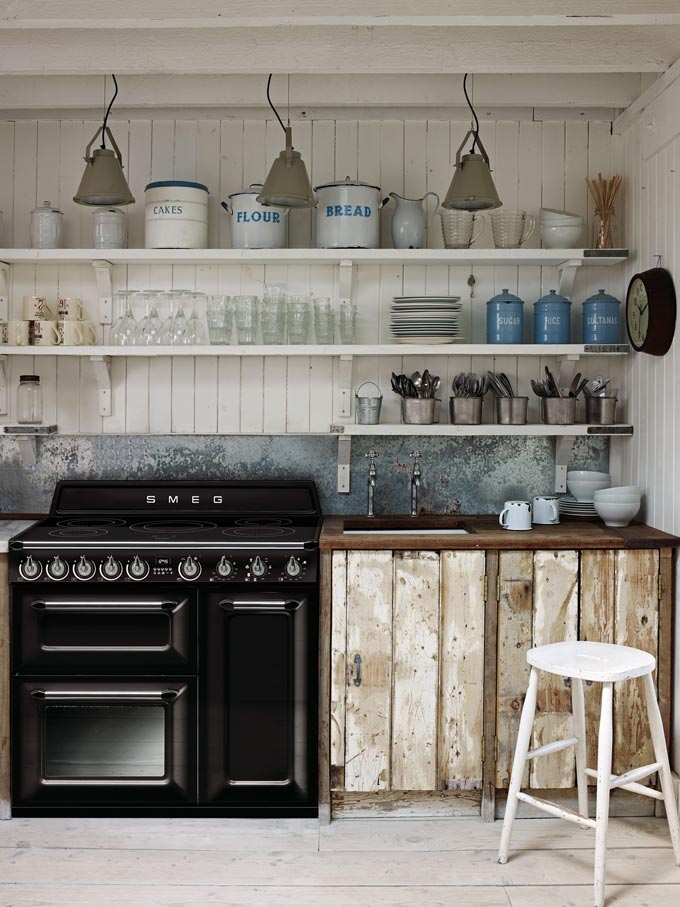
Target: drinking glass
{"x": 273, "y": 319}
{"x": 195, "y": 332}
{"x": 299, "y": 318}
{"x": 347, "y": 320}
{"x": 148, "y": 332}
{"x": 245, "y": 308}
{"x": 175, "y": 327}
{"x": 124, "y": 328}
{"x": 323, "y": 320}
{"x": 218, "y": 313}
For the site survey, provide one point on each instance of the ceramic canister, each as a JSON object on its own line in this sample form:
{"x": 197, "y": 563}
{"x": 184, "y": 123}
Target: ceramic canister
{"x": 601, "y": 322}
{"x": 552, "y": 319}
{"x": 176, "y": 215}
{"x": 348, "y": 215}
{"x": 255, "y": 226}
{"x": 504, "y": 318}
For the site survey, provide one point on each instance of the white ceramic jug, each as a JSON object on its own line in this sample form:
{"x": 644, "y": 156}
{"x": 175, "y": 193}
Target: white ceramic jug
{"x": 409, "y": 221}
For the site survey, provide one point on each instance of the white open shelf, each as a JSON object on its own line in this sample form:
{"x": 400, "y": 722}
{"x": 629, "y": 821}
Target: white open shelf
{"x": 540, "y": 430}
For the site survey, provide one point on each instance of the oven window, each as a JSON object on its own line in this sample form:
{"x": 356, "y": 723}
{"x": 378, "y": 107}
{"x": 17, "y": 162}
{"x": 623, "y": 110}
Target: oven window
{"x": 104, "y": 741}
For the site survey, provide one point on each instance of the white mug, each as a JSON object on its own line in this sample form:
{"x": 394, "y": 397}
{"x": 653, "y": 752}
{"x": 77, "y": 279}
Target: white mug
{"x": 546, "y": 510}
{"x": 75, "y": 333}
{"x": 15, "y": 333}
{"x": 35, "y": 308}
{"x": 71, "y": 309}
{"x": 44, "y": 333}
{"x": 516, "y": 515}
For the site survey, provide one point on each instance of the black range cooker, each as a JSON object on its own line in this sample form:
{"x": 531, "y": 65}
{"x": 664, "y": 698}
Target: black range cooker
{"x": 164, "y": 651}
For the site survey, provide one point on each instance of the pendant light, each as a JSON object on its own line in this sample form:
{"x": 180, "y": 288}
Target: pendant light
{"x": 103, "y": 182}
{"x": 472, "y": 187}
{"x": 287, "y": 184}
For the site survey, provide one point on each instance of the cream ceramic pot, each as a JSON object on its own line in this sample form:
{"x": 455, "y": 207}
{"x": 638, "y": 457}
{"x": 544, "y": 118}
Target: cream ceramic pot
{"x": 176, "y": 215}
{"x": 255, "y": 226}
{"x": 348, "y": 215}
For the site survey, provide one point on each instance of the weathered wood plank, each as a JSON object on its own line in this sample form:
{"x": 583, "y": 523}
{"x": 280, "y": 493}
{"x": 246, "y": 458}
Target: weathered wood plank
{"x": 515, "y": 603}
{"x": 406, "y": 804}
{"x": 490, "y": 686}
{"x": 415, "y": 641}
{"x": 637, "y": 601}
{"x": 664, "y": 673}
{"x": 461, "y": 698}
{"x": 338, "y": 669}
{"x": 324, "y": 668}
{"x": 597, "y": 605}
{"x": 368, "y": 704}
{"x": 4, "y": 691}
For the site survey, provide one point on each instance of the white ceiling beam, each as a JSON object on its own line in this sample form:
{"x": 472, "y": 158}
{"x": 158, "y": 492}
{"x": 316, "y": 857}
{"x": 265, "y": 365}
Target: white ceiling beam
{"x": 642, "y": 103}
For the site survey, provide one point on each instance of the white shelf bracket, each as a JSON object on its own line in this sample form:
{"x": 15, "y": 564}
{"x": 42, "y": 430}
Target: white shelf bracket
{"x": 568, "y": 271}
{"x": 345, "y": 283}
{"x": 344, "y": 387}
{"x": 28, "y": 448}
{"x": 102, "y": 270}
{"x": 567, "y": 369}
{"x": 4, "y": 392}
{"x": 563, "y": 448}
{"x": 102, "y": 372}
{"x": 344, "y": 456}
{"x": 4, "y": 291}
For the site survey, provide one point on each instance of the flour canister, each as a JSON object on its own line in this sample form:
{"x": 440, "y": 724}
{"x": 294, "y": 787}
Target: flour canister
{"x": 505, "y": 318}
{"x": 601, "y": 319}
{"x": 348, "y": 215}
{"x": 255, "y": 226}
{"x": 176, "y": 215}
{"x": 552, "y": 314}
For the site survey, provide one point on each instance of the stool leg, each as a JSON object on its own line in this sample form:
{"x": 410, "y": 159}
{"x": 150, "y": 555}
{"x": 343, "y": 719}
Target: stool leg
{"x": 604, "y": 769}
{"x": 661, "y": 755}
{"x": 521, "y": 749}
{"x": 578, "y": 709}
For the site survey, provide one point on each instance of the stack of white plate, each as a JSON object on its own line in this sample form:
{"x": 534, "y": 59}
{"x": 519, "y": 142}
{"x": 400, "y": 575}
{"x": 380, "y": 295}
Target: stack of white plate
{"x": 426, "y": 319}
{"x": 570, "y": 507}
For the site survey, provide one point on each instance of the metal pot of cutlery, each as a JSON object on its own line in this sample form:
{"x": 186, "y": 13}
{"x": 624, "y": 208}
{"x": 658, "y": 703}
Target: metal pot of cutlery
{"x": 511, "y": 409}
{"x": 600, "y": 406}
{"x": 558, "y": 405}
{"x": 465, "y": 403}
{"x": 419, "y": 403}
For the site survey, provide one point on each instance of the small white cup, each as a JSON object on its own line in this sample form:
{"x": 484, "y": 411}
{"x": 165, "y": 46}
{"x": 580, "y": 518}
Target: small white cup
{"x": 75, "y": 333}
{"x": 44, "y": 333}
{"x": 71, "y": 309}
{"x": 15, "y": 333}
{"x": 516, "y": 515}
{"x": 546, "y": 510}
{"x": 35, "y": 308}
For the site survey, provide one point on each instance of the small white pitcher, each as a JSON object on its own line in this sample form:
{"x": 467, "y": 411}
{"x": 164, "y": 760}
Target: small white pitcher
{"x": 410, "y": 222}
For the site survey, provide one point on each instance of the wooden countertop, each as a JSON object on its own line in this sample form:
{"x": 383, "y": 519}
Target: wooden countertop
{"x": 483, "y": 531}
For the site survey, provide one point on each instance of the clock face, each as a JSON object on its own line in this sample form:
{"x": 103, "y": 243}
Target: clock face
{"x": 651, "y": 311}
{"x": 637, "y": 313}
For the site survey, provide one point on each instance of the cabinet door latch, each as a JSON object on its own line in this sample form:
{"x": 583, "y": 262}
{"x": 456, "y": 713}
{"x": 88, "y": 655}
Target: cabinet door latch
{"x": 357, "y": 670}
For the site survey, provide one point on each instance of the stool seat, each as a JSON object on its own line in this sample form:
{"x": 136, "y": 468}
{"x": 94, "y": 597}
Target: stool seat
{"x": 598, "y": 661}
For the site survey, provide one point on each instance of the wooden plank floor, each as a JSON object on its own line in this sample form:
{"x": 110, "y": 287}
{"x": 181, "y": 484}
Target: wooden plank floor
{"x": 351, "y": 863}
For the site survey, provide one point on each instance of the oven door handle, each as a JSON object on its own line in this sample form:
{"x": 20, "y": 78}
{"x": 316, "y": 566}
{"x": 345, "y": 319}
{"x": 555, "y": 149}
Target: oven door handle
{"x": 259, "y": 604}
{"x": 132, "y": 695}
{"x": 119, "y": 607}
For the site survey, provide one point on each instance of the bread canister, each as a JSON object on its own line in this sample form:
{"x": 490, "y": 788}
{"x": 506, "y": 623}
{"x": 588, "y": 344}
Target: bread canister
{"x": 505, "y": 318}
{"x": 552, "y": 314}
{"x": 176, "y": 215}
{"x": 348, "y": 215}
{"x": 601, "y": 319}
{"x": 255, "y": 226}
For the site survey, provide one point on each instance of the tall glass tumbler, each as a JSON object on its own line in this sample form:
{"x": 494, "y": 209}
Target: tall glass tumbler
{"x": 299, "y": 318}
{"x": 324, "y": 325}
{"x": 347, "y": 320}
{"x": 218, "y": 315}
{"x": 273, "y": 319}
{"x": 245, "y": 310}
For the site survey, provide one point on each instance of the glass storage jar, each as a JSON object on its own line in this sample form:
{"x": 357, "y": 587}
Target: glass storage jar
{"x": 29, "y": 400}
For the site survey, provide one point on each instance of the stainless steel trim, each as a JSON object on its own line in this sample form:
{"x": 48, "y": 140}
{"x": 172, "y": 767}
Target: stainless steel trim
{"x": 81, "y": 695}
{"x": 259, "y": 783}
{"x": 244, "y": 604}
{"x": 123, "y": 607}
{"x": 85, "y": 545}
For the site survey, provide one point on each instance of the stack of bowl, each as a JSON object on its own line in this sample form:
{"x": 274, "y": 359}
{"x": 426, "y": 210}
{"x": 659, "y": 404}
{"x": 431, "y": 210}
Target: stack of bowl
{"x": 559, "y": 229}
{"x": 618, "y": 506}
{"x": 584, "y": 484}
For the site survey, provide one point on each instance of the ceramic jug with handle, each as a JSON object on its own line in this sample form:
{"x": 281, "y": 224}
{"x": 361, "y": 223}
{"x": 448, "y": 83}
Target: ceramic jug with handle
{"x": 410, "y": 222}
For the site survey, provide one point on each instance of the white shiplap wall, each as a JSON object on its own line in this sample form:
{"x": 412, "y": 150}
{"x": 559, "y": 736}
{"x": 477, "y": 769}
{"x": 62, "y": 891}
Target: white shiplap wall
{"x": 535, "y": 163}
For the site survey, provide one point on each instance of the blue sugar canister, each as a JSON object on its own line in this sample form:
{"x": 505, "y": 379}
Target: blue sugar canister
{"x": 552, "y": 319}
{"x": 601, "y": 319}
{"x": 504, "y": 318}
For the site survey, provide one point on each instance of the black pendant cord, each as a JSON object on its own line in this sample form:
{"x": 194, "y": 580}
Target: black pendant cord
{"x": 108, "y": 110}
{"x": 269, "y": 82}
{"x": 472, "y": 111}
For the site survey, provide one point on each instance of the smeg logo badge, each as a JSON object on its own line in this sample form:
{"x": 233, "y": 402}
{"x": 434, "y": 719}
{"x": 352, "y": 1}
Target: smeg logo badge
{"x": 174, "y": 499}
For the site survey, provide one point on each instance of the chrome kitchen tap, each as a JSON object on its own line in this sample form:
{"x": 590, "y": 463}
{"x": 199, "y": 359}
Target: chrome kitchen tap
{"x": 370, "y": 456}
{"x": 415, "y": 482}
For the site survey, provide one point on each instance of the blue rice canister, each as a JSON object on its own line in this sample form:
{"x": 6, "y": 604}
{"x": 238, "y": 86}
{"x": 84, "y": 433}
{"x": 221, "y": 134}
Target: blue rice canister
{"x": 505, "y": 318}
{"x": 601, "y": 319}
{"x": 552, "y": 319}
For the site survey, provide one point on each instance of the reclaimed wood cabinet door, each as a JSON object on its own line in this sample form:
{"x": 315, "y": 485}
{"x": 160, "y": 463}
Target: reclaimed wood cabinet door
{"x": 407, "y": 640}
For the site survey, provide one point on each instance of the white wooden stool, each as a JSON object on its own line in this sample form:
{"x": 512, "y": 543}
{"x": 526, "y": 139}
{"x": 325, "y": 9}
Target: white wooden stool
{"x": 606, "y": 664}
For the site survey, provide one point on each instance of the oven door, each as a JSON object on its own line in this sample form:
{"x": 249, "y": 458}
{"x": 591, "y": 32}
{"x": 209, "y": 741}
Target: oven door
{"x": 258, "y": 737}
{"x": 94, "y": 741}
{"x": 90, "y": 631}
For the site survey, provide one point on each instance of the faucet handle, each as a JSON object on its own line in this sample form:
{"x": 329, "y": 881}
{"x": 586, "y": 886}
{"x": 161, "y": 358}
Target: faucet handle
{"x": 371, "y": 455}
{"x": 416, "y": 454}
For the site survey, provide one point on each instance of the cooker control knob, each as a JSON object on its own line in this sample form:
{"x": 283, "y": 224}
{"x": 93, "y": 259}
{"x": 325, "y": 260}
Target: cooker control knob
{"x": 258, "y": 567}
{"x": 30, "y": 568}
{"x": 111, "y": 568}
{"x": 84, "y": 568}
{"x": 57, "y": 568}
{"x": 137, "y": 568}
{"x": 293, "y": 567}
{"x": 189, "y": 568}
{"x": 224, "y": 567}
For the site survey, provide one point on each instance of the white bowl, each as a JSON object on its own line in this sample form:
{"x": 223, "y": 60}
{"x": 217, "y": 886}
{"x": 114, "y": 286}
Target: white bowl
{"x": 554, "y": 216}
{"x": 620, "y": 499}
{"x": 616, "y": 514}
{"x": 583, "y": 491}
{"x": 616, "y": 490}
{"x": 566, "y": 237}
{"x": 587, "y": 475}
{"x": 562, "y": 222}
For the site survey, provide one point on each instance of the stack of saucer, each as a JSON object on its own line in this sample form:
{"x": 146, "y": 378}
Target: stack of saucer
{"x": 426, "y": 319}
{"x": 570, "y": 507}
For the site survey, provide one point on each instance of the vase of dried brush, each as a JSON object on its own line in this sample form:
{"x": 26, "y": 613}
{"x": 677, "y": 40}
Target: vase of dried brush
{"x": 603, "y": 192}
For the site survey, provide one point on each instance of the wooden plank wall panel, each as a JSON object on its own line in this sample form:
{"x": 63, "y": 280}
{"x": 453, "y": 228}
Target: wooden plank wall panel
{"x": 339, "y": 677}
{"x": 461, "y": 697}
{"x": 369, "y": 636}
{"x": 415, "y": 645}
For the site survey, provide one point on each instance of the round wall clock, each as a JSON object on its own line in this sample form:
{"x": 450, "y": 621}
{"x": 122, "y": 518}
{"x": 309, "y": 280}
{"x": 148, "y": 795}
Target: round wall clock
{"x": 650, "y": 311}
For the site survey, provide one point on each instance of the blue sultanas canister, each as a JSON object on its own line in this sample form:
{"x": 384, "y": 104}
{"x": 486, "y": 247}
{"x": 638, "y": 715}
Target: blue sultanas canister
{"x": 504, "y": 319}
{"x": 601, "y": 319}
{"x": 552, "y": 319}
